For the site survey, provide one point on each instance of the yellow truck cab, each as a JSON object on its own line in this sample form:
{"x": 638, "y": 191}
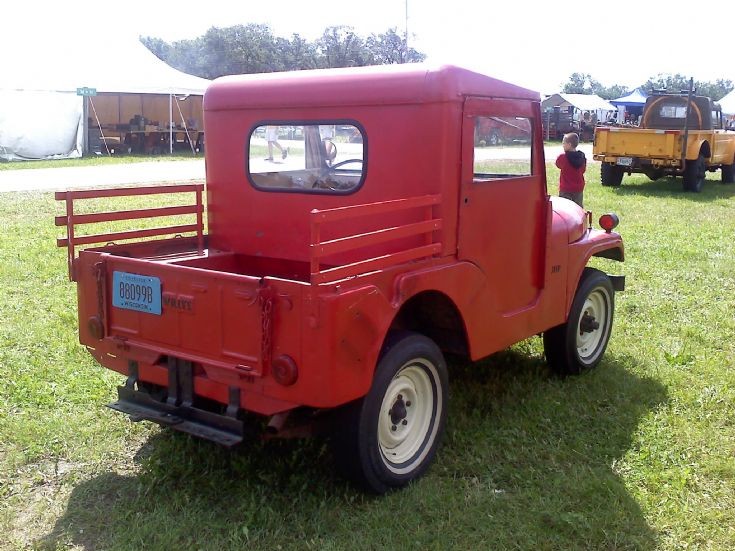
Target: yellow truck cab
{"x": 679, "y": 134}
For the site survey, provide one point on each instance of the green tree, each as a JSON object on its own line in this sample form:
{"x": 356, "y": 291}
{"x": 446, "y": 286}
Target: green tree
{"x": 679, "y": 83}
{"x": 612, "y": 92}
{"x": 581, "y": 83}
{"x": 389, "y": 47}
{"x": 253, "y": 48}
{"x": 584, "y": 83}
{"x": 341, "y": 47}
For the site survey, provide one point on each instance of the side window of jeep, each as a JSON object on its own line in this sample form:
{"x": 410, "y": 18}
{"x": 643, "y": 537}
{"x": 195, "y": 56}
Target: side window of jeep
{"x": 502, "y": 147}
{"x": 323, "y": 157}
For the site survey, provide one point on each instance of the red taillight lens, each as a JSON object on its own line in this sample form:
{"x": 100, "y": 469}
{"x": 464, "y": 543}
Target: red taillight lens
{"x": 284, "y": 370}
{"x": 609, "y": 222}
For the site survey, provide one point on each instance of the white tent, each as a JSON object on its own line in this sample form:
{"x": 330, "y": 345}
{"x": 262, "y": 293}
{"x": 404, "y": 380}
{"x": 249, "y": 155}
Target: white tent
{"x": 583, "y": 102}
{"x": 728, "y": 104}
{"x": 41, "y": 115}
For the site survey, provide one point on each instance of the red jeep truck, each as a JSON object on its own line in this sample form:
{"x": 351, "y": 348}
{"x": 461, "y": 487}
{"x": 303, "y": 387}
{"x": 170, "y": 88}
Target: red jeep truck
{"x": 331, "y": 287}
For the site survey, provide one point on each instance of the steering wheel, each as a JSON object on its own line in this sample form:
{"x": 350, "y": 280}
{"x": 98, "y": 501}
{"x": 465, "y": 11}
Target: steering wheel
{"x": 342, "y": 163}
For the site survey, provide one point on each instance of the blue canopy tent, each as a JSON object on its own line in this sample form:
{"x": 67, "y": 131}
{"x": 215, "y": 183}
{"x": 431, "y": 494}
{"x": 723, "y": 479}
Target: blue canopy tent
{"x": 631, "y": 103}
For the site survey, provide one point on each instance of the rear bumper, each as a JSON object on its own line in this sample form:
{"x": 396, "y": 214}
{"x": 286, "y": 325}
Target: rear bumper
{"x": 177, "y": 410}
{"x": 223, "y": 430}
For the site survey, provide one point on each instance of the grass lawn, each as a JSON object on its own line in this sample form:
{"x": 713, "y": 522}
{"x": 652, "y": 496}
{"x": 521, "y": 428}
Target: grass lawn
{"x": 94, "y": 160}
{"x": 638, "y": 454}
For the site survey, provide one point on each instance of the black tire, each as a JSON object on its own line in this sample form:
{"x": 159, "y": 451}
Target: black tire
{"x": 578, "y": 344}
{"x": 728, "y": 174}
{"x": 494, "y": 138}
{"x": 694, "y": 173}
{"x": 390, "y": 437}
{"x": 611, "y": 175}
{"x": 654, "y": 173}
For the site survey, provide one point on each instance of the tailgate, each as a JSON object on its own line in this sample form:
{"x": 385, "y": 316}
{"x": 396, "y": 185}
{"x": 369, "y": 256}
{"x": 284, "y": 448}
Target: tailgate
{"x": 185, "y": 311}
{"x": 641, "y": 143}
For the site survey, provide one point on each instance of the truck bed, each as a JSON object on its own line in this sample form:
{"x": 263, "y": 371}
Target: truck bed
{"x": 611, "y": 142}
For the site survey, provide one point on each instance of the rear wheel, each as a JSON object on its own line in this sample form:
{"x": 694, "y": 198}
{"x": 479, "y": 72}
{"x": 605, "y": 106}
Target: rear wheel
{"x": 694, "y": 174}
{"x": 611, "y": 175}
{"x": 390, "y": 437}
{"x": 728, "y": 174}
{"x": 579, "y": 343}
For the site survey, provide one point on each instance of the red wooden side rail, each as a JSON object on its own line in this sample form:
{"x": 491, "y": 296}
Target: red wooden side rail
{"x": 320, "y": 249}
{"x": 71, "y": 220}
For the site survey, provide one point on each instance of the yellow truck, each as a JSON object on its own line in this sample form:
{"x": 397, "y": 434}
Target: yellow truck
{"x": 679, "y": 134}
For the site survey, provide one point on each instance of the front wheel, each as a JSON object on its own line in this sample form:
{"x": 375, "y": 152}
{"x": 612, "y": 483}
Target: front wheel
{"x": 390, "y": 437}
{"x": 579, "y": 343}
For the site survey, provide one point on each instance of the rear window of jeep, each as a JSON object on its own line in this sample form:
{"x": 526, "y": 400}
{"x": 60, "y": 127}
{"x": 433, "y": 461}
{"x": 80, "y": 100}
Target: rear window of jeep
{"x": 323, "y": 157}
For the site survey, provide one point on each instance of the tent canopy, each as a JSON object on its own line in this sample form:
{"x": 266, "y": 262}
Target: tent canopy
{"x": 635, "y": 98}
{"x": 123, "y": 66}
{"x": 584, "y": 102}
{"x": 41, "y": 116}
{"x": 728, "y": 103}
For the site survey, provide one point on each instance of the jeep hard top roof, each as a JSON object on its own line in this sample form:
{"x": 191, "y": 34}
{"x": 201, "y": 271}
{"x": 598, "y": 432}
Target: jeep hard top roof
{"x": 382, "y": 84}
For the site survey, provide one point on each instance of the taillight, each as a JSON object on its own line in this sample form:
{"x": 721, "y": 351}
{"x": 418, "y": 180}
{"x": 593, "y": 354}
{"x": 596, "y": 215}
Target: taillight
{"x": 609, "y": 222}
{"x": 284, "y": 370}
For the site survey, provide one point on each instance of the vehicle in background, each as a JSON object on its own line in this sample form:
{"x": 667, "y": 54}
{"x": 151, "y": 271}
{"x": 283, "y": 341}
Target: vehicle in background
{"x": 678, "y": 135}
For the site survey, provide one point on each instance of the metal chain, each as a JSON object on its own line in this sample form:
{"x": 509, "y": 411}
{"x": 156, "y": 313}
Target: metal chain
{"x": 266, "y": 304}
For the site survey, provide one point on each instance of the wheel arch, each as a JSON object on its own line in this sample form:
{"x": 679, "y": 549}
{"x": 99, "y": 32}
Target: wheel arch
{"x": 700, "y": 147}
{"x": 612, "y": 251}
{"x": 436, "y": 316}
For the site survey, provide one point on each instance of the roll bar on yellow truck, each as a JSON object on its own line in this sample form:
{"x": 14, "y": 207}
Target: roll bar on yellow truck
{"x": 679, "y": 135}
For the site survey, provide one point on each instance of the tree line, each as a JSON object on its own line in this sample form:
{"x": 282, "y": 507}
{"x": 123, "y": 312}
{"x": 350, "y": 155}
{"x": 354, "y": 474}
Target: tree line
{"x": 583, "y": 83}
{"x": 253, "y": 48}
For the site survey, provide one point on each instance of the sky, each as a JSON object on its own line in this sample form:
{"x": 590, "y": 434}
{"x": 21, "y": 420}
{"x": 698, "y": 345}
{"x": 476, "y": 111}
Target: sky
{"x": 532, "y": 43}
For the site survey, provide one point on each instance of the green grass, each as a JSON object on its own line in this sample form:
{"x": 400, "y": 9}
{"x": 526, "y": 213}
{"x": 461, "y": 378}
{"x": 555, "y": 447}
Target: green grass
{"x": 638, "y": 454}
{"x": 95, "y": 160}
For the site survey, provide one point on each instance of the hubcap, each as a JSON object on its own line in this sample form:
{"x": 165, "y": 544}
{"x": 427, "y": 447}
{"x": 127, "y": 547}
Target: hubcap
{"x": 592, "y": 324}
{"x": 406, "y": 413}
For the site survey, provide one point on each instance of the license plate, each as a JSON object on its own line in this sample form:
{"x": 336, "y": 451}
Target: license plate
{"x": 136, "y": 292}
{"x": 625, "y": 161}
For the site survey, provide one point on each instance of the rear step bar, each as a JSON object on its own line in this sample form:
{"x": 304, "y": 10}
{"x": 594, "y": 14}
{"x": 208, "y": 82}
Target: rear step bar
{"x": 179, "y": 414}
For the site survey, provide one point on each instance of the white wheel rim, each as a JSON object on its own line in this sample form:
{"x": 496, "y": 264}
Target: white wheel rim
{"x": 405, "y": 440}
{"x": 597, "y": 308}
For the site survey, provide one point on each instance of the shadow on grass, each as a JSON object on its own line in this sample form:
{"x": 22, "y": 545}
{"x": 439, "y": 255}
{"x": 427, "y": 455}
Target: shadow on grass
{"x": 671, "y": 187}
{"x": 529, "y": 461}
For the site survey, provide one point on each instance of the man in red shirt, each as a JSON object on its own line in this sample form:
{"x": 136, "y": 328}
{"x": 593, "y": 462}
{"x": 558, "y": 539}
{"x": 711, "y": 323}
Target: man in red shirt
{"x": 572, "y": 164}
